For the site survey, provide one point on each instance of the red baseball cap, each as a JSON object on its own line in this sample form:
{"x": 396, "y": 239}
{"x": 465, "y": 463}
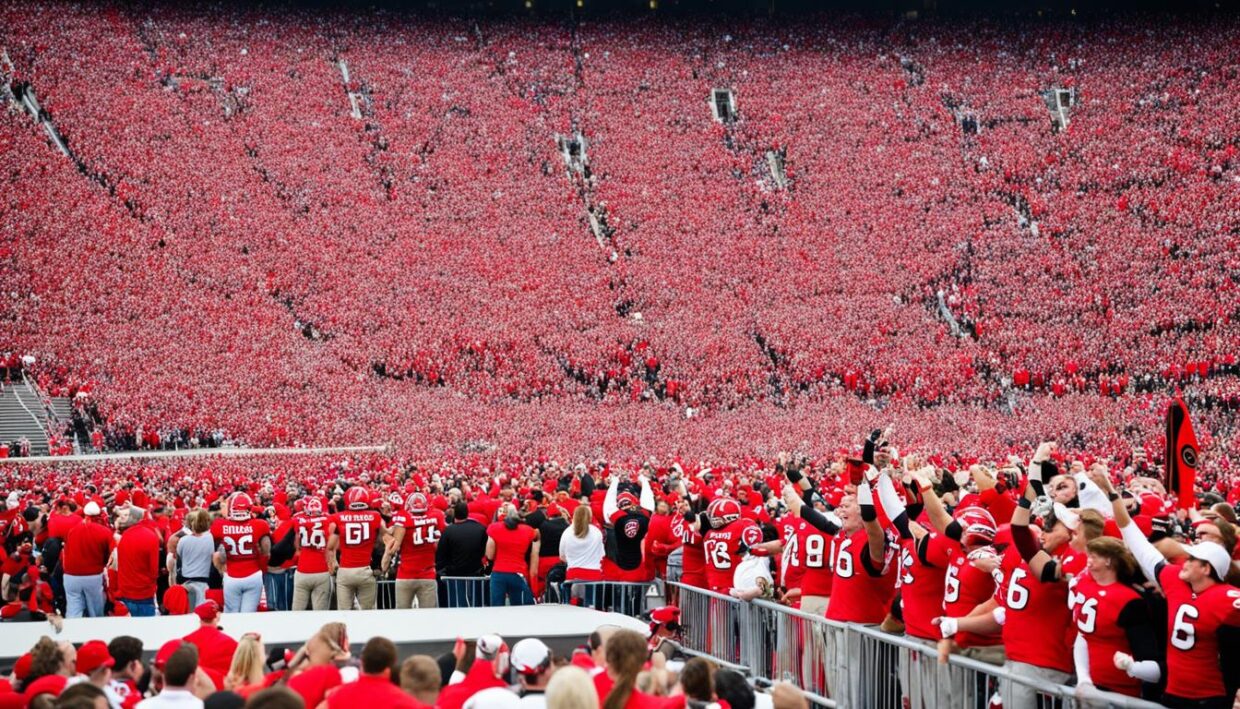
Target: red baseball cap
{"x": 93, "y": 655}
{"x": 165, "y": 652}
{"x": 207, "y": 611}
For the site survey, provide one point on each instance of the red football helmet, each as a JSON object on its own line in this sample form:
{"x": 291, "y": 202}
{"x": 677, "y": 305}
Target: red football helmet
{"x": 357, "y": 498}
{"x": 314, "y": 507}
{"x": 723, "y": 511}
{"x": 978, "y": 525}
{"x": 416, "y": 503}
{"x": 240, "y": 507}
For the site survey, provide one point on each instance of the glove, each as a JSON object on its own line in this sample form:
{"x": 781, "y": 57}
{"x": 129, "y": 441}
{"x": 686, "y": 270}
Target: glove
{"x": 1042, "y": 507}
{"x": 871, "y": 444}
{"x": 1122, "y": 661}
{"x": 947, "y": 626}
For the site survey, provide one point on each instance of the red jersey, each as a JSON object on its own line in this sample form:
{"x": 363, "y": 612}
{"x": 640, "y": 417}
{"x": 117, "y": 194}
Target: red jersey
{"x": 692, "y": 555}
{"x": 1193, "y": 622}
{"x": 87, "y": 549}
{"x": 512, "y": 547}
{"x": 793, "y": 530}
{"x": 58, "y": 526}
{"x": 1096, "y": 611}
{"x": 417, "y": 549}
{"x": 312, "y": 540}
{"x": 856, "y": 596}
{"x": 722, "y": 548}
{"x": 965, "y": 587}
{"x": 1038, "y": 628}
{"x": 242, "y": 545}
{"x": 921, "y": 583}
{"x": 358, "y": 530}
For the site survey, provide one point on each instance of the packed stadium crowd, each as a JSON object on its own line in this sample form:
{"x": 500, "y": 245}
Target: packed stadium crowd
{"x": 1061, "y": 568}
{"x": 253, "y": 262}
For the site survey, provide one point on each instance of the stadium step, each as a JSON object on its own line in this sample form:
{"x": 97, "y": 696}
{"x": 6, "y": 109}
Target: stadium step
{"x": 22, "y": 416}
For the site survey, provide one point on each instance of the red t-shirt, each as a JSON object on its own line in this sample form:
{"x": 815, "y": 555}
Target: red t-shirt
{"x": 58, "y": 526}
{"x": 1193, "y": 622}
{"x": 358, "y": 530}
{"x": 417, "y": 548}
{"x": 215, "y": 649}
{"x": 242, "y": 545}
{"x": 312, "y": 540}
{"x": 1038, "y": 629}
{"x": 137, "y": 563}
{"x": 637, "y": 700}
{"x": 87, "y": 548}
{"x": 371, "y": 691}
{"x": 723, "y": 551}
{"x": 512, "y": 547}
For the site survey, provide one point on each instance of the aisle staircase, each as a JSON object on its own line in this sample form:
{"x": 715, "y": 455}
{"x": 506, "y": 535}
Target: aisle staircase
{"x": 22, "y": 416}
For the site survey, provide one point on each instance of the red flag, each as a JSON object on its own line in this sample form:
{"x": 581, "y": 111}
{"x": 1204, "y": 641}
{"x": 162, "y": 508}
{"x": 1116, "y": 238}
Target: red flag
{"x": 1181, "y": 455}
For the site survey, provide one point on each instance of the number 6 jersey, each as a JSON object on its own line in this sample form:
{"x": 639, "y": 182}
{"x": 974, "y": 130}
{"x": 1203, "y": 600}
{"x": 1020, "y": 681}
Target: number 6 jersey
{"x": 1194, "y": 621}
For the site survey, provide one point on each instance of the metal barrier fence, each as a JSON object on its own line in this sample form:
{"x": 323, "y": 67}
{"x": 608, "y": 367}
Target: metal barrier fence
{"x": 860, "y": 667}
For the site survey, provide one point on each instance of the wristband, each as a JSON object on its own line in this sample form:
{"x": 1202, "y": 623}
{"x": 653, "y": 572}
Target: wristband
{"x": 1112, "y": 496}
{"x": 1024, "y": 502}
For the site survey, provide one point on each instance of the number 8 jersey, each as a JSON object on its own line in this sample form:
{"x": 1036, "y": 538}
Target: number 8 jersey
{"x": 241, "y": 542}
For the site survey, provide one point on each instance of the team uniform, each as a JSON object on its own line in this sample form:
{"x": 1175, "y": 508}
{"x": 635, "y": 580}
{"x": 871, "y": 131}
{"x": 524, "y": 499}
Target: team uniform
{"x": 1038, "y": 631}
{"x": 807, "y": 565}
{"x": 357, "y": 529}
{"x": 861, "y": 592}
{"x": 241, "y": 539}
{"x": 312, "y": 584}
{"x": 1194, "y": 623}
{"x": 723, "y": 551}
{"x": 693, "y": 553}
{"x": 415, "y": 571}
{"x": 1104, "y": 616}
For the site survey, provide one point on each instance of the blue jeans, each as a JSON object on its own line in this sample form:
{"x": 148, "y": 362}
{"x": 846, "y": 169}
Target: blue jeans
{"x": 84, "y": 596}
{"x": 464, "y": 593}
{"x": 512, "y": 587}
{"x": 139, "y": 609}
{"x": 279, "y": 587}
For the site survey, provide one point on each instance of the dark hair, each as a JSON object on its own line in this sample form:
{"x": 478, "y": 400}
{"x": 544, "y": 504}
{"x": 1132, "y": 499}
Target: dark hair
{"x": 697, "y": 679}
{"x": 460, "y": 512}
{"x": 447, "y": 665}
{"x": 124, "y": 649}
{"x": 223, "y": 699}
{"x": 378, "y": 654}
{"x": 731, "y": 686}
{"x": 82, "y": 695}
{"x": 181, "y": 665}
{"x": 275, "y": 698}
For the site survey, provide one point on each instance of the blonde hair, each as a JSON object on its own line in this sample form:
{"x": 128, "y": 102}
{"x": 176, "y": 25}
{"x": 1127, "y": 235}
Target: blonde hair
{"x": 581, "y": 521}
{"x": 247, "y": 663}
{"x": 571, "y": 688}
{"x": 198, "y": 521}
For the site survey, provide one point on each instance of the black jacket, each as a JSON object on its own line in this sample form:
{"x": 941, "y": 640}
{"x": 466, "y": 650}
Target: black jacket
{"x": 461, "y": 549}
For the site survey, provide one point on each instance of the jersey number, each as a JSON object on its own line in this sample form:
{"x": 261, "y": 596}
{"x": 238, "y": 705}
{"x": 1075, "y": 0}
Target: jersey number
{"x": 1017, "y": 595}
{"x": 240, "y": 546}
{"x": 356, "y": 533}
{"x": 815, "y": 551}
{"x": 843, "y": 560}
{"x": 313, "y": 538}
{"x": 717, "y": 552}
{"x": 425, "y": 533}
{"x": 1088, "y": 615}
{"x": 952, "y": 580}
{"x": 1183, "y": 634}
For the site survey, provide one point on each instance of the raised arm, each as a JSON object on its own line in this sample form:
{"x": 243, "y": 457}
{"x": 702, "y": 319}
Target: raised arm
{"x": 875, "y": 537}
{"x": 939, "y": 518}
{"x": 1148, "y": 557}
{"x": 816, "y": 519}
{"x": 609, "y": 501}
{"x": 647, "y": 495}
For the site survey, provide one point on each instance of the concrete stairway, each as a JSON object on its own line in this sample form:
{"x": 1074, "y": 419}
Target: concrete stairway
{"x": 22, "y": 416}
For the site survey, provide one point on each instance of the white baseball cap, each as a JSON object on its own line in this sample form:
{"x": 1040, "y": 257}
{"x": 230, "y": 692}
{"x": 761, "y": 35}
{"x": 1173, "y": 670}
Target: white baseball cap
{"x": 1213, "y": 554}
{"x": 489, "y": 646}
{"x": 529, "y": 656}
{"x": 493, "y": 698}
{"x": 92, "y": 509}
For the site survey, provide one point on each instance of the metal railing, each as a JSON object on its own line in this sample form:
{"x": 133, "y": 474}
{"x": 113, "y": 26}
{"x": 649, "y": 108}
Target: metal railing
{"x": 861, "y": 667}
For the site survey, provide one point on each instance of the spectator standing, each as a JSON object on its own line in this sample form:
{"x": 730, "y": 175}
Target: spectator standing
{"x": 88, "y": 547}
{"x": 180, "y": 671}
{"x": 374, "y": 687}
{"x": 243, "y": 544}
{"x": 312, "y": 583}
{"x": 191, "y": 552}
{"x": 459, "y": 557}
{"x": 421, "y": 678}
{"x": 531, "y": 659}
{"x": 513, "y": 550}
{"x": 354, "y": 532}
{"x": 137, "y": 563}
{"x": 416, "y": 534}
{"x": 215, "y": 648}
{"x": 570, "y": 688}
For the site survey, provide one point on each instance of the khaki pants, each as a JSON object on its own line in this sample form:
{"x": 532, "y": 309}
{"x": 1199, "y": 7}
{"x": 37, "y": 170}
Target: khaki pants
{"x": 920, "y": 675}
{"x": 425, "y": 590}
{"x": 311, "y": 591}
{"x": 967, "y": 690}
{"x": 356, "y": 583}
{"x": 1025, "y": 696}
{"x": 815, "y": 605}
